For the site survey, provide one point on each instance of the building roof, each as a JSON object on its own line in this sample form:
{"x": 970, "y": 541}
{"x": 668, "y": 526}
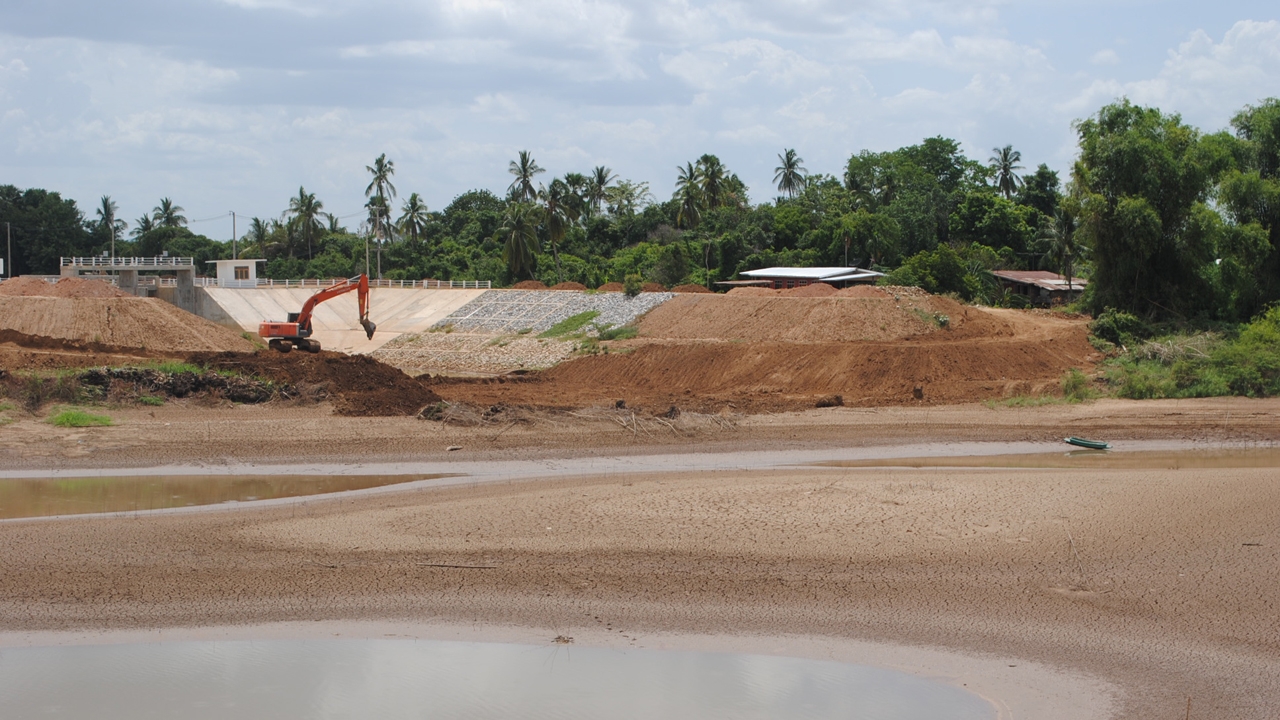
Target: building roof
{"x": 1040, "y": 278}
{"x": 811, "y": 273}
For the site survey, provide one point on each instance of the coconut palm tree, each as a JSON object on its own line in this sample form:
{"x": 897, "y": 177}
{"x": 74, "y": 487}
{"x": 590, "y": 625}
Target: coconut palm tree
{"x": 414, "y": 219}
{"x": 108, "y": 222}
{"x": 1064, "y": 248}
{"x": 167, "y": 214}
{"x": 334, "y": 227}
{"x": 790, "y": 175}
{"x": 598, "y": 186}
{"x": 142, "y": 226}
{"x": 559, "y": 212}
{"x": 257, "y": 237}
{"x": 380, "y": 222}
{"x": 306, "y": 212}
{"x": 380, "y": 192}
{"x": 689, "y": 193}
{"x": 519, "y": 236}
{"x": 524, "y": 169}
{"x": 711, "y": 181}
{"x": 1005, "y": 164}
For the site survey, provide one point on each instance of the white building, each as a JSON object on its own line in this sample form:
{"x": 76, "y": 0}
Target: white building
{"x": 237, "y": 273}
{"x": 781, "y": 278}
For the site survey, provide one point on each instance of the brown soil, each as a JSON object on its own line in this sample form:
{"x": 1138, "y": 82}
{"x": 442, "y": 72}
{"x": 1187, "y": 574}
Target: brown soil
{"x": 357, "y": 384}
{"x": 612, "y": 287}
{"x": 112, "y": 323}
{"x": 689, "y": 288}
{"x": 529, "y": 285}
{"x": 652, "y": 287}
{"x": 67, "y": 287}
{"x": 568, "y": 286}
{"x": 862, "y": 291}
{"x": 752, "y": 291}
{"x": 814, "y": 290}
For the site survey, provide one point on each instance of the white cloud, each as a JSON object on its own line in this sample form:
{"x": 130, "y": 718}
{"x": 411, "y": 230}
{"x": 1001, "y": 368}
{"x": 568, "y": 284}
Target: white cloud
{"x": 1105, "y": 57}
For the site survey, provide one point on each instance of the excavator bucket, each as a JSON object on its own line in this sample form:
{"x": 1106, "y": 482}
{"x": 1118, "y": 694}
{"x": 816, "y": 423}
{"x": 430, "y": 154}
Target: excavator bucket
{"x": 368, "y": 326}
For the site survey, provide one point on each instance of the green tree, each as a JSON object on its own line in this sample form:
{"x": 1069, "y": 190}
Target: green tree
{"x": 414, "y": 219}
{"x": 380, "y": 192}
{"x": 1141, "y": 176}
{"x": 44, "y": 227}
{"x": 306, "y": 210}
{"x": 1248, "y": 251}
{"x": 519, "y": 237}
{"x": 142, "y": 226}
{"x": 1004, "y": 163}
{"x": 1064, "y": 246}
{"x": 560, "y": 210}
{"x": 167, "y": 214}
{"x": 1041, "y": 190}
{"x": 524, "y": 169}
{"x": 689, "y": 195}
{"x": 598, "y": 187}
{"x": 108, "y": 224}
{"x": 712, "y": 182}
{"x": 790, "y": 174}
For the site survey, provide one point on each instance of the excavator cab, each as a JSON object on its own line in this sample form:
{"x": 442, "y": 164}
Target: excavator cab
{"x": 296, "y": 331}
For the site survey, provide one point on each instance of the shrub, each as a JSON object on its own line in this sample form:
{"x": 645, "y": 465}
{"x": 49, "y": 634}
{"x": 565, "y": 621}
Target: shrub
{"x": 625, "y": 332}
{"x": 78, "y": 419}
{"x": 1118, "y": 327}
{"x": 1075, "y": 386}
{"x": 632, "y": 284}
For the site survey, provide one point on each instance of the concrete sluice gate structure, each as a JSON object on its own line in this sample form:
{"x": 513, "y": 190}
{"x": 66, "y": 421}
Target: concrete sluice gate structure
{"x": 336, "y": 323}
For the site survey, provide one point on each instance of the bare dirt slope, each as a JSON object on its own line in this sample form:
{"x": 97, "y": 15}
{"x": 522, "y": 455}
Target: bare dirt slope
{"x": 67, "y": 287}
{"x": 119, "y": 322}
{"x": 768, "y": 353}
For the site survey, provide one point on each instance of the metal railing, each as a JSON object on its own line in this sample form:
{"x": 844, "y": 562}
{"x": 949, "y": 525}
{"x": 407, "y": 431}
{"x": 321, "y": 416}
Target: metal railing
{"x": 326, "y": 282}
{"x": 128, "y": 263}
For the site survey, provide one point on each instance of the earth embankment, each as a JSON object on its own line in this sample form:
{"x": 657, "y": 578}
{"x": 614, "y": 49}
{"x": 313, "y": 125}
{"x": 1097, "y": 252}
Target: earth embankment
{"x": 112, "y": 323}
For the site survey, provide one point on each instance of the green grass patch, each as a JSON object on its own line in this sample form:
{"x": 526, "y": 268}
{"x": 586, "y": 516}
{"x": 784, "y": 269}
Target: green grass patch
{"x": 626, "y": 332}
{"x": 7, "y": 406}
{"x": 1026, "y": 401}
{"x": 75, "y": 418}
{"x": 151, "y": 400}
{"x": 570, "y": 324}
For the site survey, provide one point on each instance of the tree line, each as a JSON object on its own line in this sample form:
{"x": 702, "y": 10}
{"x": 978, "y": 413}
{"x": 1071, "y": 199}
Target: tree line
{"x": 1166, "y": 221}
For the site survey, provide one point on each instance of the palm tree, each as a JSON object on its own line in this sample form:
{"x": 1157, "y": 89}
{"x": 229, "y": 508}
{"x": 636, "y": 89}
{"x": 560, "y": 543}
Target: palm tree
{"x": 519, "y": 235}
{"x": 689, "y": 193}
{"x": 414, "y": 219}
{"x": 306, "y": 212}
{"x": 559, "y": 212}
{"x": 108, "y": 222}
{"x": 334, "y": 227}
{"x": 380, "y": 189}
{"x": 1005, "y": 163}
{"x": 524, "y": 169}
{"x": 166, "y": 214}
{"x": 257, "y": 237}
{"x": 712, "y": 181}
{"x": 598, "y": 186}
{"x": 790, "y": 175}
{"x": 1064, "y": 248}
{"x": 142, "y": 226}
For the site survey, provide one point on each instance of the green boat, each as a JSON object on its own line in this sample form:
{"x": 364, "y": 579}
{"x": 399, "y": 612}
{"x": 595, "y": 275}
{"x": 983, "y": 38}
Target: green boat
{"x": 1091, "y": 444}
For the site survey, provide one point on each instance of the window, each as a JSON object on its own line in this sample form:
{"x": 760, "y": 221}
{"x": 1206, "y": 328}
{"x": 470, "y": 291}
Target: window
{"x": 242, "y": 272}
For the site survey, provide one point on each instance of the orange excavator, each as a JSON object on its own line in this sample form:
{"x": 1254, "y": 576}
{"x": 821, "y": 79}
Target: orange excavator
{"x": 296, "y": 331}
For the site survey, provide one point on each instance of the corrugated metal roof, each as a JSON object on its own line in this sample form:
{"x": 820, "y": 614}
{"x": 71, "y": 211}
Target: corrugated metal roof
{"x": 798, "y": 273}
{"x": 1040, "y": 278}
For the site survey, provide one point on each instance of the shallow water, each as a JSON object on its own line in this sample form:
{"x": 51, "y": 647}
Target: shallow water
{"x": 43, "y": 497}
{"x": 433, "y": 679}
{"x": 1258, "y": 457}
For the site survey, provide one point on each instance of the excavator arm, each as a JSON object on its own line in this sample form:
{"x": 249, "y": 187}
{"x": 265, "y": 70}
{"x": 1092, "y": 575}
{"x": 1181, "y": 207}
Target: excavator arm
{"x": 283, "y": 336}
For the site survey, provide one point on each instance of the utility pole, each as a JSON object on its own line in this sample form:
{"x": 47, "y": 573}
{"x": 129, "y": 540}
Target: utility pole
{"x": 234, "y": 255}
{"x": 8, "y": 234}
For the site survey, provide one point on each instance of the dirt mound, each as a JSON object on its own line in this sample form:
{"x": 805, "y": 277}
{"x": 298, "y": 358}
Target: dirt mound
{"x": 568, "y": 286}
{"x": 106, "y": 324}
{"x": 612, "y": 287}
{"x": 358, "y": 385}
{"x": 753, "y": 291}
{"x": 689, "y": 288}
{"x": 652, "y": 287}
{"x": 529, "y": 285}
{"x": 862, "y": 291}
{"x": 67, "y": 287}
{"x": 813, "y": 319}
{"x": 814, "y": 290}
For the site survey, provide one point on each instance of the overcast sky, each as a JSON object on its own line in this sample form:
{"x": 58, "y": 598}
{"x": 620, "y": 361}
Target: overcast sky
{"x": 232, "y": 104}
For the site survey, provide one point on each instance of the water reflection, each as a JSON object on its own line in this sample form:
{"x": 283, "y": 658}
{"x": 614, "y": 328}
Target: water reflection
{"x": 42, "y": 497}
{"x": 430, "y": 679}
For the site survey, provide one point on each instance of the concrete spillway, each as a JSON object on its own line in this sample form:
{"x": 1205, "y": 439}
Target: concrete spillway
{"x": 396, "y": 311}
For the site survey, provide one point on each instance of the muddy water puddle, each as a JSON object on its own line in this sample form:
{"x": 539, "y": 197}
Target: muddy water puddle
{"x": 416, "y": 678}
{"x": 44, "y": 497}
{"x": 1218, "y": 458}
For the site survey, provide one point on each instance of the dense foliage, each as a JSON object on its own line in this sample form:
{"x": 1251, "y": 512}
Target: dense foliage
{"x": 1166, "y": 222}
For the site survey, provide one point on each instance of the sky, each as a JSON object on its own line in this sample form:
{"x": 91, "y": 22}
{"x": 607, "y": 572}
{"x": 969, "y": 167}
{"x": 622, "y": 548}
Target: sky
{"x": 232, "y": 105}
